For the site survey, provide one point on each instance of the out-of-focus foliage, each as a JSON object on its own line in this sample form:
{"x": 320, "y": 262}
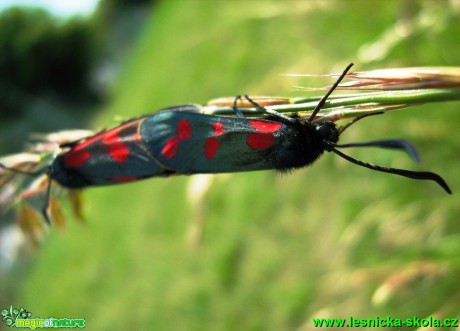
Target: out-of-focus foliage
{"x": 42, "y": 56}
{"x": 119, "y": 23}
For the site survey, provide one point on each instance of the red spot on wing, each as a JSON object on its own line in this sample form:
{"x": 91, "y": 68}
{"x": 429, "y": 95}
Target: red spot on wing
{"x": 124, "y": 179}
{"x": 218, "y": 128}
{"x": 264, "y": 126}
{"x": 184, "y": 130}
{"x": 210, "y": 147}
{"x": 258, "y": 140}
{"x": 108, "y": 137}
{"x": 170, "y": 148}
{"x": 115, "y": 140}
{"x": 76, "y": 158}
{"x": 119, "y": 152}
{"x": 111, "y": 137}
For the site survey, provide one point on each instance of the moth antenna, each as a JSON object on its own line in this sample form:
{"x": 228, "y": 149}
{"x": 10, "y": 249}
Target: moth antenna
{"x": 48, "y": 190}
{"x": 324, "y": 98}
{"x": 421, "y": 175}
{"x": 400, "y": 144}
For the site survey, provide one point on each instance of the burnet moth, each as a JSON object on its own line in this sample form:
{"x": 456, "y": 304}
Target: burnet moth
{"x": 182, "y": 141}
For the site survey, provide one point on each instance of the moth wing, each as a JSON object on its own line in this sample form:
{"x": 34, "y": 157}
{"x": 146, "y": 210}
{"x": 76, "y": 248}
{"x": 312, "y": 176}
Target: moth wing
{"x": 112, "y": 156}
{"x": 190, "y": 142}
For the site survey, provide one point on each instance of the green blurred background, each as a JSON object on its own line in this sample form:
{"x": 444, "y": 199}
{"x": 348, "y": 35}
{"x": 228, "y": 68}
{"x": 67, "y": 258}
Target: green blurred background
{"x": 250, "y": 251}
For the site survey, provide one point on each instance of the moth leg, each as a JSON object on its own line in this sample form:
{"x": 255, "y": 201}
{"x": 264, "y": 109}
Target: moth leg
{"x": 269, "y": 111}
{"x": 235, "y": 107}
